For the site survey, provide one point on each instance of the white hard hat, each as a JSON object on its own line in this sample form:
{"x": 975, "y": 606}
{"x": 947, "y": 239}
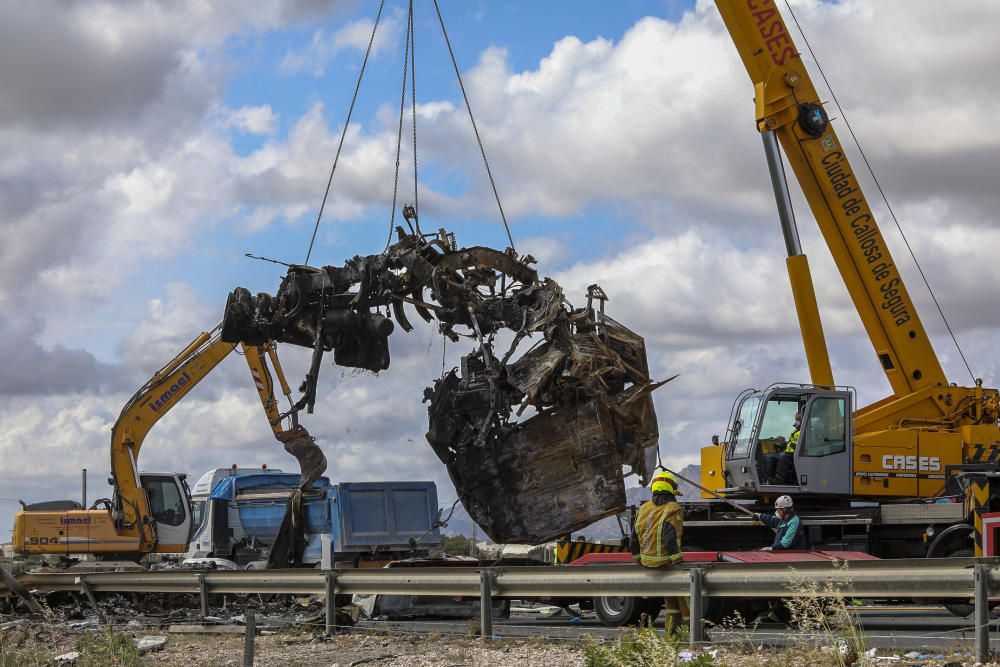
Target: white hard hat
{"x": 783, "y": 503}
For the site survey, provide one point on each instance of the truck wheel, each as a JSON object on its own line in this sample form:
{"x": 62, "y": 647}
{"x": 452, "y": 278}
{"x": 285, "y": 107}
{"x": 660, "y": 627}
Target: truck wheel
{"x": 960, "y": 609}
{"x": 617, "y": 611}
{"x": 718, "y": 610}
{"x": 652, "y": 608}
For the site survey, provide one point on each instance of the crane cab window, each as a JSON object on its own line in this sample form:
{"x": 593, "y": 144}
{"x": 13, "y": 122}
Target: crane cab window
{"x": 778, "y": 418}
{"x": 776, "y": 426}
{"x": 166, "y": 503}
{"x": 743, "y": 427}
{"x": 824, "y": 430}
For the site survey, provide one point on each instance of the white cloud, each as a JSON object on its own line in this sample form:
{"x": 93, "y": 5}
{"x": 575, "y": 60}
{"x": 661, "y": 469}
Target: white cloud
{"x": 172, "y": 322}
{"x": 325, "y": 46}
{"x": 252, "y": 120}
{"x": 655, "y": 128}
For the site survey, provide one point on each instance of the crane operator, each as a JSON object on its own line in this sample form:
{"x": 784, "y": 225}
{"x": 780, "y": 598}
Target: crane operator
{"x": 656, "y": 540}
{"x": 778, "y": 465}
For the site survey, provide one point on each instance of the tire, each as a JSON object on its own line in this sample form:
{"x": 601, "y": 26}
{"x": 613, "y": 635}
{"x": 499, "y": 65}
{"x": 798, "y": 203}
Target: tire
{"x": 717, "y": 610}
{"x": 617, "y": 611}
{"x": 960, "y": 609}
{"x": 745, "y": 611}
{"x": 652, "y": 608}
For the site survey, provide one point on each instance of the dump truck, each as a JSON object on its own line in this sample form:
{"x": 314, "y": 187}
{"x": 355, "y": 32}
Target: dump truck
{"x": 347, "y": 524}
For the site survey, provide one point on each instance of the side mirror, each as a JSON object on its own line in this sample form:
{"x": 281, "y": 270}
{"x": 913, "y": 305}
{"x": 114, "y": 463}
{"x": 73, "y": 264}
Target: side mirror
{"x": 715, "y": 440}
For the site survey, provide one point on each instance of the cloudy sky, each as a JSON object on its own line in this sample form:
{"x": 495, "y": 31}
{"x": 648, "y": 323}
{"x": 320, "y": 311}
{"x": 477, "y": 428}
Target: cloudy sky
{"x": 148, "y": 145}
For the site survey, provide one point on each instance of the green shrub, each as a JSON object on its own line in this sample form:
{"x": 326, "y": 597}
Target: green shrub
{"x": 107, "y": 648}
{"x": 645, "y": 647}
{"x": 17, "y": 651}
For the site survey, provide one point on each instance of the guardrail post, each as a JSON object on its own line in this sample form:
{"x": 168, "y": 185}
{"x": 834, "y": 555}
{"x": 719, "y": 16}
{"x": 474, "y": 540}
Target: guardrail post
{"x": 203, "y": 591}
{"x": 251, "y": 635}
{"x": 486, "y": 604}
{"x": 89, "y": 592}
{"x": 20, "y": 591}
{"x": 982, "y": 613}
{"x": 331, "y": 604}
{"x": 696, "y": 634}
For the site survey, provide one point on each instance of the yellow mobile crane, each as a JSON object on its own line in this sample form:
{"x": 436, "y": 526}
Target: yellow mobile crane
{"x": 151, "y": 512}
{"x": 925, "y": 458}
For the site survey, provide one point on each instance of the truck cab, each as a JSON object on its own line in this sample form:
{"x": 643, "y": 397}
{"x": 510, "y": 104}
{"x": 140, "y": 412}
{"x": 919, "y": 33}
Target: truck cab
{"x": 761, "y": 425}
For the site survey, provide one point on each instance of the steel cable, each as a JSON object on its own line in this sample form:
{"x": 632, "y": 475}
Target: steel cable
{"x": 399, "y": 134}
{"x": 475, "y": 128}
{"x": 343, "y": 134}
{"x": 413, "y": 100}
{"x": 885, "y": 199}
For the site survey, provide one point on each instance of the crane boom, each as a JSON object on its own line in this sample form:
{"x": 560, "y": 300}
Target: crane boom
{"x": 912, "y": 443}
{"x": 788, "y": 105}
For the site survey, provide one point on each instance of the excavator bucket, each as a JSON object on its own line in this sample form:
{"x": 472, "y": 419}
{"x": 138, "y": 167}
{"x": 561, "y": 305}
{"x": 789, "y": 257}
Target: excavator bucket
{"x": 290, "y": 542}
{"x": 301, "y": 445}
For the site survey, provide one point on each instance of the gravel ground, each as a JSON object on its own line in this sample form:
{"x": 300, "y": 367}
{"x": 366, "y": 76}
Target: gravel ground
{"x": 344, "y": 651}
{"x": 38, "y": 643}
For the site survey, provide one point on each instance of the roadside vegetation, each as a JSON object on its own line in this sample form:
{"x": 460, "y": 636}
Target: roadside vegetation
{"x": 31, "y": 646}
{"x": 458, "y": 545}
{"x": 645, "y": 646}
{"x": 825, "y": 633}
{"x": 107, "y": 648}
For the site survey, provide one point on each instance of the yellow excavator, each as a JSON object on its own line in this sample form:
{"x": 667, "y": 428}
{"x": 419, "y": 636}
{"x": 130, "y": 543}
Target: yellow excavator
{"x": 151, "y": 512}
{"x": 913, "y": 474}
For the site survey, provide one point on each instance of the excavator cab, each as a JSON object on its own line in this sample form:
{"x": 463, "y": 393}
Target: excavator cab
{"x": 761, "y": 427}
{"x": 170, "y": 506}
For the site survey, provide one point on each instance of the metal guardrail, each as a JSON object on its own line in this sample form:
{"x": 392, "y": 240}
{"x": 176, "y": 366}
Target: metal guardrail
{"x": 966, "y": 578}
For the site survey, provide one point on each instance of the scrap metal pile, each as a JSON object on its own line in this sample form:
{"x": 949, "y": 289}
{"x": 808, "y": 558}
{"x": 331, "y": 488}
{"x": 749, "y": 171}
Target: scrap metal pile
{"x": 585, "y": 383}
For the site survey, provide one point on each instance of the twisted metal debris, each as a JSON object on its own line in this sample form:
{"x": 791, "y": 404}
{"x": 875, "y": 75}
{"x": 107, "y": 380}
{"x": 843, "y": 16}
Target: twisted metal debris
{"x": 585, "y": 384}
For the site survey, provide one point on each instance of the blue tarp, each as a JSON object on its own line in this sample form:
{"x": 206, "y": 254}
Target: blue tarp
{"x": 227, "y": 487}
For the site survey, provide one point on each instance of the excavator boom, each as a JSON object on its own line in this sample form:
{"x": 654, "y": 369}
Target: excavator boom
{"x": 150, "y": 512}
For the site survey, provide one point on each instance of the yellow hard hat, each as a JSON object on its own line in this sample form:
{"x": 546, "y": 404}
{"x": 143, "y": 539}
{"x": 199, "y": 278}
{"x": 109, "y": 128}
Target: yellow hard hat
{"x": 665, "y": 481}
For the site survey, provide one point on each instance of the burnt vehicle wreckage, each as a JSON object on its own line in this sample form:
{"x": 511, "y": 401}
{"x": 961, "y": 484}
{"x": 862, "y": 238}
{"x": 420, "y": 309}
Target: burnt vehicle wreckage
{"x": 585, "y": 384}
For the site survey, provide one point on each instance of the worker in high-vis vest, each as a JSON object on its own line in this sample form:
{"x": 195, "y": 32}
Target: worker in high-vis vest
{"x": 786, "y": 460}
{"x": 778, "y": 465}
{"x": 656, "y": 540}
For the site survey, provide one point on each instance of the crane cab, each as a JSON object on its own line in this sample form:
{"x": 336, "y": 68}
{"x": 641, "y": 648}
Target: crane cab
{"x": 760, "y": 429}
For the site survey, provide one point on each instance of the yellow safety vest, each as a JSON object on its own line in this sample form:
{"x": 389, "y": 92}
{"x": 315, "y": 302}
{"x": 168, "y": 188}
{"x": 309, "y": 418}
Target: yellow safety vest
{"x": 649, "y": 526}
{"x": 793, "y": 440}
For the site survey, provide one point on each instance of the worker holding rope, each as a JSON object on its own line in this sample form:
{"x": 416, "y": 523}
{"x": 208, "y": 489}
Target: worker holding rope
{"x": 656, "y": 540}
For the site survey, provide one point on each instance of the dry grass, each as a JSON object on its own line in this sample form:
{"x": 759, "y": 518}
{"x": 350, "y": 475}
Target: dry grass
{"x": 645, "y": 647}
{"x": 107, "y": 648}
{"x": 827, "y": 633}
{"x": 18, "y": 650}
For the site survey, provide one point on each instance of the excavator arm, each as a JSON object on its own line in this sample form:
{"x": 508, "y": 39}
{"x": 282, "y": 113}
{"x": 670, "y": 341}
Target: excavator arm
{"x": 130, "y": 507}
